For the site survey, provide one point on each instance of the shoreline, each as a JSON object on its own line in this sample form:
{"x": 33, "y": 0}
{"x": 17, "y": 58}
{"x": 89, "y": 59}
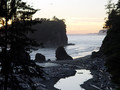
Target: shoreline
{"x": 101, "y": 78}
{"x": 66, "y": 68}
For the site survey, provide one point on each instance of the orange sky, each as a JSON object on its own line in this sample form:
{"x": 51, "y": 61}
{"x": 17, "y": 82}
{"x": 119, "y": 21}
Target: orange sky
{"x": 81, "y": 16}
{"x": 84, "y": 25}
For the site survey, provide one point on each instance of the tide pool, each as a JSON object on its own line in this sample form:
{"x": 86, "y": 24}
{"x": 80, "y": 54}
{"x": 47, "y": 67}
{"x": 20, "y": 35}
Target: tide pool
{"x": 74, "y": 82}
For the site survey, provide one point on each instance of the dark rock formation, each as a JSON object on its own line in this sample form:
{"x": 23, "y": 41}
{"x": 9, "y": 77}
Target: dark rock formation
{"x": 111, "y": 44}
{"x": 96, "y": 54}
{"x": 50, "y": 33}
{"x": 40, "y": 58}
{"x": 61, "y": 54}
{"x": 48, "y": 60}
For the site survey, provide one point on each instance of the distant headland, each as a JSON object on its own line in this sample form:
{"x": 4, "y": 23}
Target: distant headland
{"x": 102, "y": 32}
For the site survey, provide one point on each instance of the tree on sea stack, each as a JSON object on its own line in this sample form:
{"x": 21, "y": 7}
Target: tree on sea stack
{"x": 14, "y": 42}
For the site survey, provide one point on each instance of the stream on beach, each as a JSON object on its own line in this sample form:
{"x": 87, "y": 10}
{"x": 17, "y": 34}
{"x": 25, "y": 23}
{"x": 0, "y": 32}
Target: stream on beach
{"x": 74, "y": 82}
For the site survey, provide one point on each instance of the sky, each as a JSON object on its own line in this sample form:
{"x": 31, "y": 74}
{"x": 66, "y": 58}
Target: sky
{"x": 81, "y": 16}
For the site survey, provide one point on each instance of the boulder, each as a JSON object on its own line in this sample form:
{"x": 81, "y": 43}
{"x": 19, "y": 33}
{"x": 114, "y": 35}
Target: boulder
{"x": 40, "y": 58}
{"x": 96, "y": 54}
{"x": 61, "y": 54}
{"x": 48, "y": 60}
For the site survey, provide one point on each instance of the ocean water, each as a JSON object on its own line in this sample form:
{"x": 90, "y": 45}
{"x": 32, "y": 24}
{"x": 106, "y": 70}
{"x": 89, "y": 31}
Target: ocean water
{"x": 85, "y": 44}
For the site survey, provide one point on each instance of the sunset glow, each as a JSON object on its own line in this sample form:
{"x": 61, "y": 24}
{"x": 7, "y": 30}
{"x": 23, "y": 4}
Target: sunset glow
{"x": 2, "y": 22}
{"x": 81, "y": 16}
{"x": 9, "y": 22}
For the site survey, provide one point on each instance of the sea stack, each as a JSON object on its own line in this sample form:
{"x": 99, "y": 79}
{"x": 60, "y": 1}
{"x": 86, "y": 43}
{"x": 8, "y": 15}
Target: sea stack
{"x": 50, "y": 33}
{"x": 61, "y": 54}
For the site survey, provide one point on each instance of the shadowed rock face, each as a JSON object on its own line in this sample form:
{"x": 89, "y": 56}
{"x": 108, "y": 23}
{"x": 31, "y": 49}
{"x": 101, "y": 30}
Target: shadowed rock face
{"x": 40, "y": 58}
{"x": 50, "y": 33}
{"x": 61, "y": 54}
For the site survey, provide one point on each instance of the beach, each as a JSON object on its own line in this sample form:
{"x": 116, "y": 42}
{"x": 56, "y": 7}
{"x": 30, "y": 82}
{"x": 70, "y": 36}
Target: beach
{"x": 53, "y": 71}
{"x": 100, "y": 81}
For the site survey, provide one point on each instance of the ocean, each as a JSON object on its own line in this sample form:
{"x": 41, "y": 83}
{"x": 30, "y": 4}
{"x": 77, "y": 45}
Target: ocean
{"x": 85, "y": 44}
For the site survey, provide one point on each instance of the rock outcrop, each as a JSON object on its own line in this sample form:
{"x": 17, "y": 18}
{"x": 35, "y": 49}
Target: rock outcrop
{"x": 50, "y": 33}
{"x": 111, "y": 44}
{"x": 61, "y": 54}
{"x": 40, "y": 58}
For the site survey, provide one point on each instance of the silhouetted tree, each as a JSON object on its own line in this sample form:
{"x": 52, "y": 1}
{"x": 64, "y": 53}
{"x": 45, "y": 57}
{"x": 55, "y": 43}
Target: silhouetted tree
{"x": 111, "y": 44}
{"x": 13, "y": 37}
{"x": 113, "y": 12}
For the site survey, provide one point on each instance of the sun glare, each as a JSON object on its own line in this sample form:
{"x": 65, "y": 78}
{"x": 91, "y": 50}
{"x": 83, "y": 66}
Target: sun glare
{"x": 0, "y": 25}
{"x": 9, "y": 22}
{"x": 2, "y": 22}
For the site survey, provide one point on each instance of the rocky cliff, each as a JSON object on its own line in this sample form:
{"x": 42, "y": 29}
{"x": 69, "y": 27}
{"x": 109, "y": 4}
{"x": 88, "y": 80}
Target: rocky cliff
{"x": 50, "y": 33}
{"x": 111, "y": 44}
